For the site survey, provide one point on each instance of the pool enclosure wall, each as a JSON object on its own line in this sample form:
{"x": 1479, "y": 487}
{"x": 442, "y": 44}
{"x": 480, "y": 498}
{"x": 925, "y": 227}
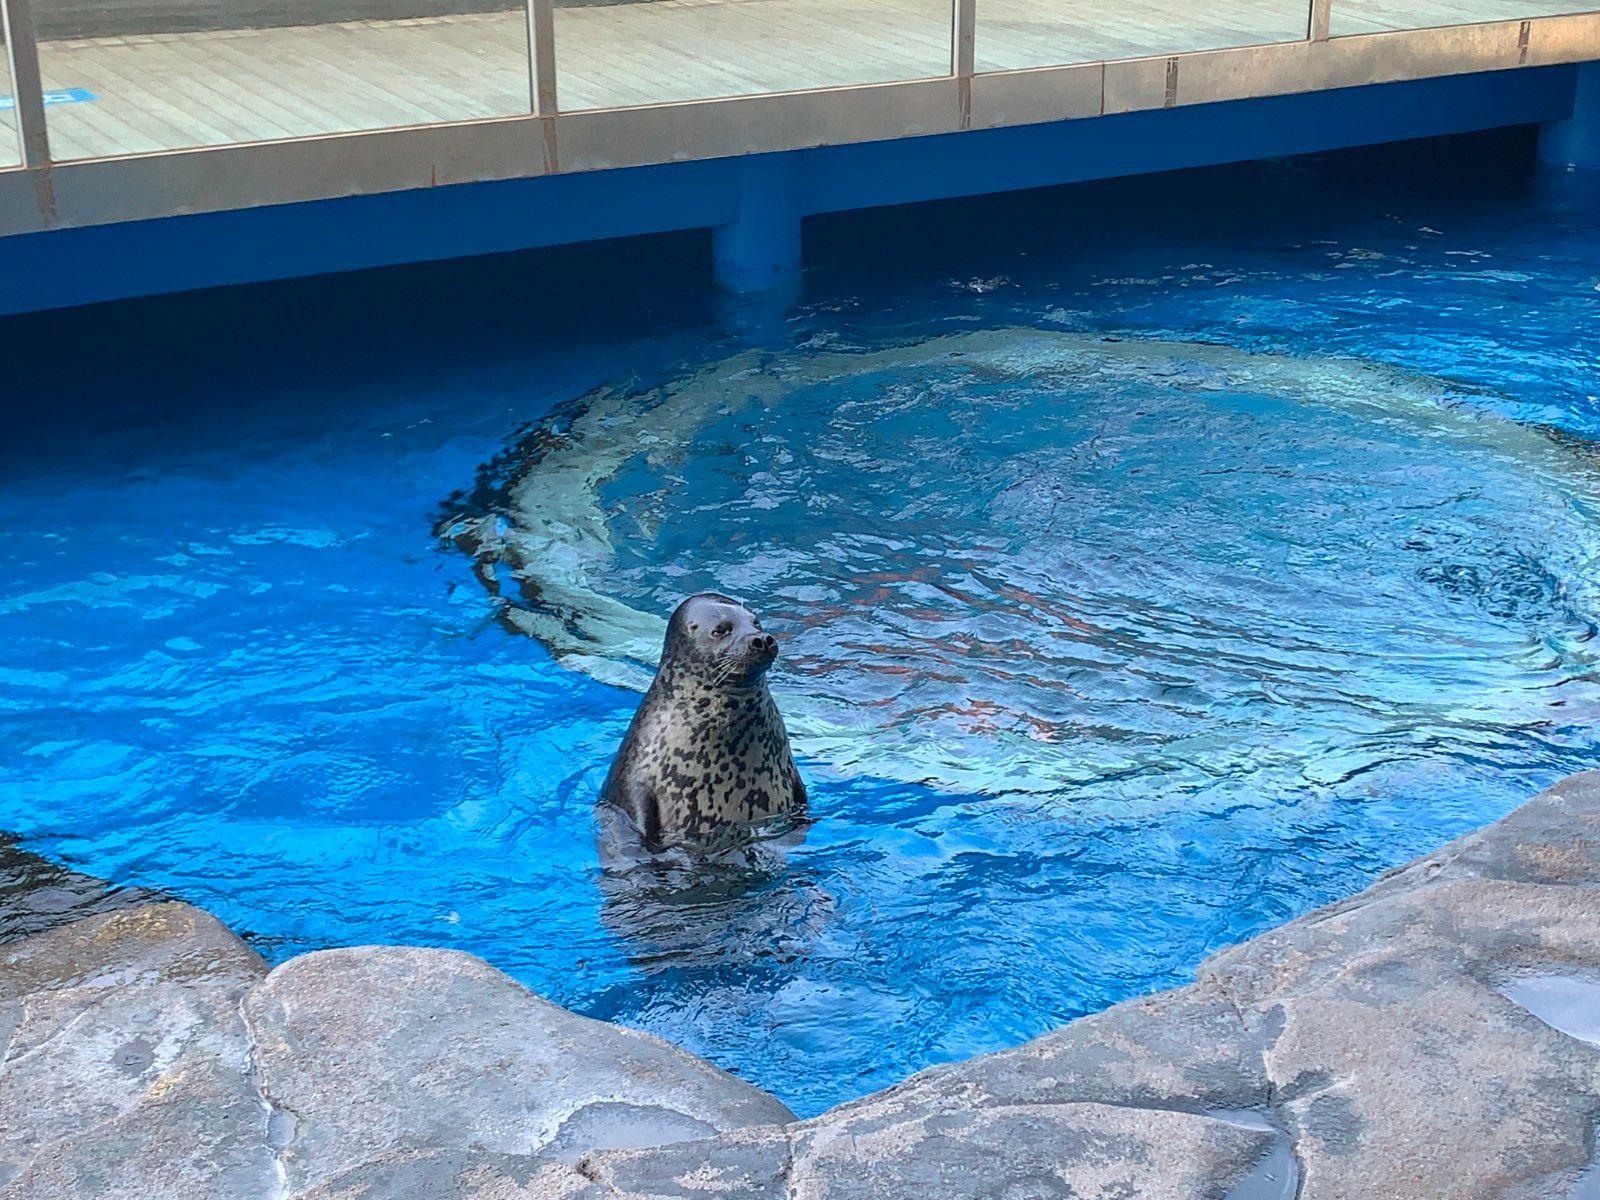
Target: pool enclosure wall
{"x": 155, "y": 145}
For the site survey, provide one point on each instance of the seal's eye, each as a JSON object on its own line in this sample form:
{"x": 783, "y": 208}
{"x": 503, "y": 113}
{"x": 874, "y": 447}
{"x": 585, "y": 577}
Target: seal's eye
{"x": 723, "y": 630}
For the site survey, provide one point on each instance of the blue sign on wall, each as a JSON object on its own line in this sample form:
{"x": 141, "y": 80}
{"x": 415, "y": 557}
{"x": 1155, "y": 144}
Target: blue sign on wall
{"x": 56, "y": 96}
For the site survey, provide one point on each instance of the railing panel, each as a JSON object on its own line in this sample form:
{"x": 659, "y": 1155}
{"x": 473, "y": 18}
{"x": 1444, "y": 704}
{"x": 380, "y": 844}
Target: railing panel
{"x": 10, "y": 150}
{"x": 1014, "y": 34}
{"x": 1385, "y": 16}
{"x": 130, "y": 76}
{"x": 651, "y": 51}
{"x": 10, "y": 141}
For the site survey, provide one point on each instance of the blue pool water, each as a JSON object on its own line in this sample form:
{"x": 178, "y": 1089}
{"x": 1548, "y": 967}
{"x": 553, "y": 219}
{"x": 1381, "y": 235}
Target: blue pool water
{"x": 1100, "y": 654}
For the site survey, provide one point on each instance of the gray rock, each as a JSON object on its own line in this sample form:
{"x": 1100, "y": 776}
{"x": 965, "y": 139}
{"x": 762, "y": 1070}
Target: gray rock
{"x": 750, "y": 1164}
{"x": 1373, "y": 1037}
{"x": 430, "y": 1174}
{"x": 1187, "y": 1049}
{"x": 148, "y": 1053}
{"x": 1087, "y": 1151}
{"x": 1076, "y": 1151}
{"x": 1398, "y": 1066}
{"x": 125, "y": 1069}
{"x": 149, "y": 945}
{"x": 376, "y": 1050}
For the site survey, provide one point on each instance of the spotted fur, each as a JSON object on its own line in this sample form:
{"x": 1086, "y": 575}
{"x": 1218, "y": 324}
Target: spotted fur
{"x": 707, "y": 752}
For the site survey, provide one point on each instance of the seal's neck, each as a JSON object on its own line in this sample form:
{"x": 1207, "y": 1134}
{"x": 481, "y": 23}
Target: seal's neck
{"x": 708, "y": 701}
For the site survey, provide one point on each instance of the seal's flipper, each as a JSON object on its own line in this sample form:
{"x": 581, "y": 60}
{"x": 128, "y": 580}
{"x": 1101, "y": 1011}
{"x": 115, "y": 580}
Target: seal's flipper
{"x": 802, "y": 799}
{"x": 637, "y": 800}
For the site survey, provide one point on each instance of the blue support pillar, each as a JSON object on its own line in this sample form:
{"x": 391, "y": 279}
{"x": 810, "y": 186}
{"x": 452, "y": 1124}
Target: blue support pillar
{"x": 1575, "y": 141}
{"x": 760, "y": 249}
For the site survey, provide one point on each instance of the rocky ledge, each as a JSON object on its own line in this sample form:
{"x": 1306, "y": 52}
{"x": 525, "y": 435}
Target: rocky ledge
{"x": 1436, "y": 1037}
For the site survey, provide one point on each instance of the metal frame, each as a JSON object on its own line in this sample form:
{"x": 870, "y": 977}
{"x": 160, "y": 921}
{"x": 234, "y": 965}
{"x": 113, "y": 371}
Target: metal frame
{"x": 44, "y": 194}
{"x": 542, "y": 74}
{"x": 1318, "y": 20}
{"x": 963, "y": 50}
{"x": 22, "y": 53}
{"x": 541, "y": 58}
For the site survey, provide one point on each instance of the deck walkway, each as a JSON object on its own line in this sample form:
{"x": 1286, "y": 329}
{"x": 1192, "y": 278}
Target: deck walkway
{"x": 178, "y": 90}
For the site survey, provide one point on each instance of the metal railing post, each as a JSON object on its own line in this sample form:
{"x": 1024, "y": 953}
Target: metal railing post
{"x": 963, "y": 43}
{"x": 541, "y": 57}
{"x": 542, "y": 73}
{"x": 22, "y": 52}
{"x": 1317, "y": 22}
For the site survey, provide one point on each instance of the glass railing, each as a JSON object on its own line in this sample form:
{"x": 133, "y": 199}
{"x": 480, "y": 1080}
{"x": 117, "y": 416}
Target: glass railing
{"x": 1028, "y": 33}
{"x": 1351, "y": 17}
{"x": 130, "y": 76}
{"x": 651, "y": 51}
{"x": 10, "y": 147}
{"x": 123, "y": 77}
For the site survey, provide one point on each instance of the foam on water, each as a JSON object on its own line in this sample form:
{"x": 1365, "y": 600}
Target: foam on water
{"x": 1028, "y": 560}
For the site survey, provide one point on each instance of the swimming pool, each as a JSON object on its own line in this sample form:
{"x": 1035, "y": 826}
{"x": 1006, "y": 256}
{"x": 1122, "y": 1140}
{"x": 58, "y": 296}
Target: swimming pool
{"x": 1155, "y": 563}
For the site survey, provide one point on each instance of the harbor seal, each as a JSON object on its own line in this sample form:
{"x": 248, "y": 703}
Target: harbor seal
{"x": 707, "y": 754}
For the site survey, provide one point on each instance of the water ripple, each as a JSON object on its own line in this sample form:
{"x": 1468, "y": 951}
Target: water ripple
{"x": 1027, "y": 560}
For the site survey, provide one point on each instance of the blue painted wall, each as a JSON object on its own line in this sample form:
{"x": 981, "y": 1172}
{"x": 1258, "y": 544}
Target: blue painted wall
{"x": 76, "y": 266}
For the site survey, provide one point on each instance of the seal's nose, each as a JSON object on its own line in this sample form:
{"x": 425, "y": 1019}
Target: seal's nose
{"x": 766, "y": 643}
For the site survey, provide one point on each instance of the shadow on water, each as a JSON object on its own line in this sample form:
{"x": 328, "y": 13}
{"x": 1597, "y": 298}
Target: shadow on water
{"x": 225, "y": 355}
{"x": 980, "y": 245}
{"x": 147, "y": 358}
{"x": 36, "y": 895}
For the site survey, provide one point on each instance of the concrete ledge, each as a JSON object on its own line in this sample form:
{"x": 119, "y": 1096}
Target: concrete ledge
{"x": 1437, "y": 1035}
{"x": 250, "y": 216}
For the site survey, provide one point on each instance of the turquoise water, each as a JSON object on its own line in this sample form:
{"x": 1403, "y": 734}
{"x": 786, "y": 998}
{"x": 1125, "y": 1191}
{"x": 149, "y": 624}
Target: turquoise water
{"x": 1167, "y": 560}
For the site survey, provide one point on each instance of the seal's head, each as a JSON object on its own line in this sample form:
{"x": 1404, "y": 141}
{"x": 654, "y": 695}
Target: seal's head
{"x": 719, "y": 641}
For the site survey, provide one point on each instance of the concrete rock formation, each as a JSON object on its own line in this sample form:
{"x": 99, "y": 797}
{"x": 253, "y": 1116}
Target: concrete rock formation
{"x": 374, "y": 1052}
{"x": 1436, "y": 1037}
{"x": 149, "y": 1053}
{"x": 127, "y": 1066}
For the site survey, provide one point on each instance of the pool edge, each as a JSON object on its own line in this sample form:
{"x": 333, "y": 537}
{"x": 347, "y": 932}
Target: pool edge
{"x": 1366, "y": 1048}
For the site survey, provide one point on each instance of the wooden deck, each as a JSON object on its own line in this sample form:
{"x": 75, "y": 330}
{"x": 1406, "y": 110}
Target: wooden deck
{"x": 170, "y": 91}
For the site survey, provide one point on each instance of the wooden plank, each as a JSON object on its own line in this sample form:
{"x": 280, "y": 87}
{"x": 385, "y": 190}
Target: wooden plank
{"x": 122, "y": 84}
